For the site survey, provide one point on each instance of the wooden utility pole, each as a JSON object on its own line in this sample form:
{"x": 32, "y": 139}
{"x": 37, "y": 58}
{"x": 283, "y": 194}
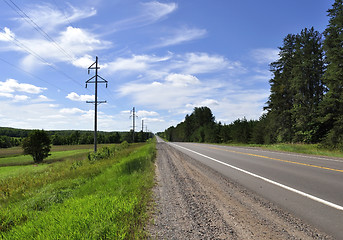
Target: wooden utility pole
{"x": 96, "y": 102}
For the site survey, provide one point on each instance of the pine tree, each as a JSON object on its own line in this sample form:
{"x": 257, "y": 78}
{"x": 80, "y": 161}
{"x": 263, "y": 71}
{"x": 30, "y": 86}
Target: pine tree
{"x": 281, "y": 99}
{"x": 332, "y": 106}
{"x": 307, "y": 85}
{"x": 297, "y": 88}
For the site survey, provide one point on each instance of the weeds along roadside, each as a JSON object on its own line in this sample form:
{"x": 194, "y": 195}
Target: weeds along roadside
{"x": 103, "y": 196}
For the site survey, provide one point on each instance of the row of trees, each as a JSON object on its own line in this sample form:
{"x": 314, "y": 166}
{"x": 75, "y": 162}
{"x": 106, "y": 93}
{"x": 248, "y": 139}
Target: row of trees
{"x": 306, "y": 100}
{"x": 10, "y": 137}
{"x": 306, "y": 96}
{"x": 7, "y": 142}
{"x": 201, "y": 126}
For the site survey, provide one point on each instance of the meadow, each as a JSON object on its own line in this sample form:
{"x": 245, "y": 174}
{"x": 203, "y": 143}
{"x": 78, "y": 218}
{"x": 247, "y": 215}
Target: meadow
{"x": 88, "y": 196}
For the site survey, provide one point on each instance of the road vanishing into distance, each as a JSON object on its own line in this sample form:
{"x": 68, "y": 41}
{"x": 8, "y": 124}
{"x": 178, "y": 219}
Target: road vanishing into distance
{"x": 309, "y": 187}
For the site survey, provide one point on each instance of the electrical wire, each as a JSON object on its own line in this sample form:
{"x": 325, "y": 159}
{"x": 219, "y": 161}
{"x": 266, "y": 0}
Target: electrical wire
{"x": 32, "y": 75}
{"x": 36, "y": 55}
{"x": 29, "y": 20}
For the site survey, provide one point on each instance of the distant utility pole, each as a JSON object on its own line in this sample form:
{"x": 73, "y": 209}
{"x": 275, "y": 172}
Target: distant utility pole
{"x": 96, "y": 102}
{"x": 142, "y": 125}
{"x": 133, "y": 123}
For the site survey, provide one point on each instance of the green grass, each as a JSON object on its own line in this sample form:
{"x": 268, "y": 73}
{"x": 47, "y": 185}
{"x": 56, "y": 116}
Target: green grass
{"x": 27, "y": 159}
{"x": 15, "y": 151}
{"x": 313, "y": 149}
{"x": 102, "y": 199}
{"x": 15, "y": 170}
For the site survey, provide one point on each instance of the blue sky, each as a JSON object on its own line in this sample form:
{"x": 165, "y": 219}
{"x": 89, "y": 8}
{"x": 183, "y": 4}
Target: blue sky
{"x": 162, "y": 57}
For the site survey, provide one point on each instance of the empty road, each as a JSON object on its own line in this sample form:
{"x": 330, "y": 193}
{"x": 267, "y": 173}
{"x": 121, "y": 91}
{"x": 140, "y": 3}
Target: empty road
{"x": 309, "y": 187}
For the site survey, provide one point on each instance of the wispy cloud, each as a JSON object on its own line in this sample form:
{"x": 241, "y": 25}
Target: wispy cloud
{"x": 148, "y": 13}
{"x": 48, "y": 17}
{"x": 180, "y": 36}
{"x": 144, "y": 113}
{"x": 197, "y": 63}
{"x": 265, "y": 55}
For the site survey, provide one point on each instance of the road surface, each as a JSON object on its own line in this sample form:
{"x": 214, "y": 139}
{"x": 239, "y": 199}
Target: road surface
{"x": 310, "y": 188}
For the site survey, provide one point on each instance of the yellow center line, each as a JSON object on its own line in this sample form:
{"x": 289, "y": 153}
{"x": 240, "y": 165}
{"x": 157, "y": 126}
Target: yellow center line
{"x": 280, "y": 160}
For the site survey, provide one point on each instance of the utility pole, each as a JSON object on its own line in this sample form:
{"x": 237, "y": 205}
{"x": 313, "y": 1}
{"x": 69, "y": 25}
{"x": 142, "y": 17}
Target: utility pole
{"x": 142, "y": 125}
{"x": 133, "y": 123}
{"x": 96, "y": 102}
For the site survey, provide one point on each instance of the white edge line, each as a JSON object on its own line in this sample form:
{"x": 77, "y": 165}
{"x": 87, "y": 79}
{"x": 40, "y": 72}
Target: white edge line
{"x": 330, "y": 204}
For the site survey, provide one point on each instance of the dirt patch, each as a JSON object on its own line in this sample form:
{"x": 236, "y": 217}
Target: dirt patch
{"x": 195, "y": 202}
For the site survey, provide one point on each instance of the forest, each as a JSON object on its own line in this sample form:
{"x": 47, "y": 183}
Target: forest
{"x": 10, "y": 137}
{"x": 306, "y": 96}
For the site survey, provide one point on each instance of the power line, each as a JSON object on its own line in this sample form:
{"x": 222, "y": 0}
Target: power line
{"x": 63, "y": 14}
{"x": 36, "y": 55}
{"x": 32, "y": 75}
{"x": 29, "y": 20}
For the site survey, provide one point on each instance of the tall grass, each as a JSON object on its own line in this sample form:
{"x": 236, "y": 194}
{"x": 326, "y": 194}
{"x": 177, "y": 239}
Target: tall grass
{"x": 313, "y": 149}
{"x": 102, "y": 199}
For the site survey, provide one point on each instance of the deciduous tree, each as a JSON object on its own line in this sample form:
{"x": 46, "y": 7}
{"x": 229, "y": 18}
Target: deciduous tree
{"x": 37, "y": 144}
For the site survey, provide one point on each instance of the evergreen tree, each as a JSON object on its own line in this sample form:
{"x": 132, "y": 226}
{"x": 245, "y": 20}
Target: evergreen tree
{"x": 281, "y": 97}
{"x": 332, "y": 107}
{"x": 297, "y": 88}
{"x": 307, "y": 85}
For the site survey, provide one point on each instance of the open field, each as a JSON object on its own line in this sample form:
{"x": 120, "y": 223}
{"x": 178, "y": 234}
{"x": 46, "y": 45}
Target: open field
{"x": 105, "y": 196}
{"x": 14, "y": 156}
{"x": 15, "y": 151}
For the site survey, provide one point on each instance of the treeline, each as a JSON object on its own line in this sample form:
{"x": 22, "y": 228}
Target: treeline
{"x": 306, "y": 96}
{"x": 10, "y": 137}
{"x": 201, "y": 126}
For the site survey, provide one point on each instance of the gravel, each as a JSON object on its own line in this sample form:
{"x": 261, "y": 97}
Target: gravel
{"x": 196, "y": 202}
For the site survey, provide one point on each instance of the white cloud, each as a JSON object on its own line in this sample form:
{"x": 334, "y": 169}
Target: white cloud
{"x": 71, "y": 110}
{"x": 150, "y": 120}
{"x": 206, "y": 103}
{"x": 7, "y": 95}
{"x": 156, "y": 10}
{"x": 84, "y": 62}
{"x": 12, "y": 85}
{"x": 125, "y": 112}
{"x": 148, "y": 13}
{"x": 6, "y": 35}
{"x": 181, "y": 36}
{"x": 182, "y": 79}
{"x": 136, "y": 63}
{"x": 49, "y": 17}
{"x": 70, "y": 44}
{"x": 20, "y": 98}
{"x": 198, "y": 63}
{"x": 265, "y": 55}
{"x": 81, "y": 98}
{"x": 144, "y": 113}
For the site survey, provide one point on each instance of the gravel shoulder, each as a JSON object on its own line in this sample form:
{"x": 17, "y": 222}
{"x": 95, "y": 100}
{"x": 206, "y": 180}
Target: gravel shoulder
{"x": 196, "y": 202}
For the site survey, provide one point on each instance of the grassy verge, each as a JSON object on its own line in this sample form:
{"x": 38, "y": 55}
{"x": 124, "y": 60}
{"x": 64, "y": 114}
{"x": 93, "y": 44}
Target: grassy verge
{"x": 313, "y": 149}
{"x": 100, "y": 197}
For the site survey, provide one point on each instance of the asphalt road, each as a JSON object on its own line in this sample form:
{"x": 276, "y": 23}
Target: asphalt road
{"x": 309, "y": 187}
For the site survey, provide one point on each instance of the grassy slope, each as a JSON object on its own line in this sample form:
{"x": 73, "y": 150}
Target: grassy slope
{"x": 313, "y": 149}
{"x": 105, "y": 199}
